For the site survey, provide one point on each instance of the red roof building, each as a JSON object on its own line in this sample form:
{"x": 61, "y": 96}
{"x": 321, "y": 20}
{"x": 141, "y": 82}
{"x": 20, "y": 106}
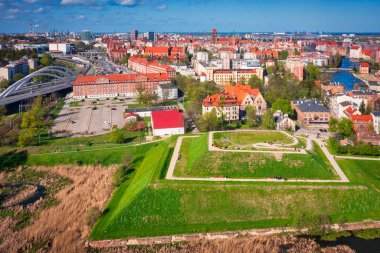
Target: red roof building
{"x": 168, "y": 122}
{"x": 364, "y": 68}
{"x": 116, "y": 84}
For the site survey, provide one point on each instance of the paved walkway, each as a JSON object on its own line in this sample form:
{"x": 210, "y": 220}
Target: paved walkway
{"x": 357, "y": 158}
{"x": 170, "y": 176}
{"x": 285, "y": 150}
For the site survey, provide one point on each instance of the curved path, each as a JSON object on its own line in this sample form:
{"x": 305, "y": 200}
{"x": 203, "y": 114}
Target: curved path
{"x": 169, "y": 176}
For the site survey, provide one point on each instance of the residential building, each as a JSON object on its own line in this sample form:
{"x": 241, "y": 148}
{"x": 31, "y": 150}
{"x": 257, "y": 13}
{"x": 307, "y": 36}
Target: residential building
{"x": 224, "y": 104}
{"x": 311, "y": 113}
{"x": 142, "y": 65}
{"x": 117, "y": 85}
{"x": 364, "y": 68}
{"x": 372, "y": 98}
{"x": 376, "y": 121}
{"x": 202, "y": 56}
{"x": 167, "y": 91}
{"x": 355, "y": 52}
{"x": 17, "y": 67}
{"x": 245, "y": 64}
{"x": 331, "y": 88}
{"x": 226, "y": 76}
{"x": 295, "y": 66}
{"x": 157, "y": 51}
{"x": 167, "y": 122}
{"x": 58, "y": 47}
{"x": 246, "y": 96}
{"x": 283, "y": 122}
{"x": 339, "y": 103}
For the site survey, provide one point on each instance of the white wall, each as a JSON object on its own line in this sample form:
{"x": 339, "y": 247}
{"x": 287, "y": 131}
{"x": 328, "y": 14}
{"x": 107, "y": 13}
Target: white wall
{"x": 168, "y": 131}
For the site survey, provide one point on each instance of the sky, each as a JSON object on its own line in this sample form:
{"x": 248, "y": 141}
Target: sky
{"x": 190, "y": 16}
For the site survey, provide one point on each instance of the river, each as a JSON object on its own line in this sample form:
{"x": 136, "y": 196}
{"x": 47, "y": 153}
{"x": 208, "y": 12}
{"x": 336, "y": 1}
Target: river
{"x": 345, "y": 77}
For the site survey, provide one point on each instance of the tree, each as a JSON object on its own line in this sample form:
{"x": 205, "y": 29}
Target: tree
{"x": 268, "y": 120}
{"x": 47, "y": 60}
{"x": 4, "y": 83}
{"x": 283, "y": 105}
{"x": 251, "y": 116}
{"x": 368, "y": 109}
{"x": 27, "y": 137}
{"x": 145, "y": 96}
{"x": 117, "y": 136}
{"x": 208, "y": 121}
{"x": 284, "y": 54}
{"x": 125, "y": 59}
{"x": 346, "y": 128}
{"x": 256, "y": 83}
{"x": 18, "y": 77}
{"x": 333, "y": 125}
{"x": 362, "y": 107}
{"x": 312, "y": 72}
{"x": 3, "y": 111}
{"x": 242, "y": 80}
{"x": 33, "y": 123}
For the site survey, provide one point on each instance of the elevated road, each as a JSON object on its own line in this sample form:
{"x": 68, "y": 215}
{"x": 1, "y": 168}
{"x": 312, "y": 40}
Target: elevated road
{"x": 25, "y": 88}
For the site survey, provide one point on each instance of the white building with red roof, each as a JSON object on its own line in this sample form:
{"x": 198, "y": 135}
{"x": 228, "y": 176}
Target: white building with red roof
{"x": 169, "y": 122}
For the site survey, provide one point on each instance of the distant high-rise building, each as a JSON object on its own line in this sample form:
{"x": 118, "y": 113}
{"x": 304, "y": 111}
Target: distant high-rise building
{"x": 214, "y": 36}
{"x": 86, "y": 35}
{"x": 151, "y": 36}
{"x": 134, "y": 34}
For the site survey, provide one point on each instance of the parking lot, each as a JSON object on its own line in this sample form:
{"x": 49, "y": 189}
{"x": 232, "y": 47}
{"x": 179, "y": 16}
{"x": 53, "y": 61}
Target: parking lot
{"x": 90, "y": 117}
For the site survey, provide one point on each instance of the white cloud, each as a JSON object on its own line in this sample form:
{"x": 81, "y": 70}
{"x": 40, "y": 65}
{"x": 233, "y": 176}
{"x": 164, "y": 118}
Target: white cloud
{"x": 67, "y": 2}
{"x": 129, "y": 3}
{"x": 9, "y": 17}
{"x": 161, "y": 7}
{"x": 80, "y": 17}
{"x": 39, "y": 10}
{"x": 13, "y": 11}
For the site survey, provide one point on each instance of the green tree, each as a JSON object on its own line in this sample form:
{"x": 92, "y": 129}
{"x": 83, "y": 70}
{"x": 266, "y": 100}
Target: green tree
{"x": 256, "y": 83}
{"x": 145, "y": 96}
{"x": 268, "y": 120}
{"x": 18, "y": 77}
{"x": 4, "y": 83}
{"x": 368, "y": 109}
{"x": 251, "y": 116}
{"x": 47, "y": 60}
{"x": 346, "y": 128}
{"x": 3, "y": 111}
{"x": 208, "y": 121}
{"x": 312, "y": 72}
{"x": 125, "y": 59}
{"x": 117, "y": 136}
{"x": 242, "y": 80}
{"x": 362, "y": 107}
{"x": 284, "y": 54}
{"x": 33, "y": 123}
{"x": 283, "y": 105}
{"x": 333, "y": 125}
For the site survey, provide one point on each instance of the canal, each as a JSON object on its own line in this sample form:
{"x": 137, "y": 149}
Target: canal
{"x": 345, "y": 77}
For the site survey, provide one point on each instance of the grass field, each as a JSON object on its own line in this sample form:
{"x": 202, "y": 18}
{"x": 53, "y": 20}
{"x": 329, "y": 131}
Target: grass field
{"x": 246, "y": 139}
{"x": 196, "y": 161}
{"x": 150, "y": 206}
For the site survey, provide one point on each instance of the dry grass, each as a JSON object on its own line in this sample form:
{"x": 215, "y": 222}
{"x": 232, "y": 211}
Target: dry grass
{"x": 63, "y": 228}
{"x": 257, "y": 244}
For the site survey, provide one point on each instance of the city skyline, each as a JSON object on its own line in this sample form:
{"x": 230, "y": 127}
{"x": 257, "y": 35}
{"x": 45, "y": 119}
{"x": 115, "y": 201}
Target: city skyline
{"x": 189, "y": 16}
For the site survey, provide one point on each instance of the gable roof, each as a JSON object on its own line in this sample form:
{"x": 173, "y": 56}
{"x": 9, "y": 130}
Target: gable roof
{"x": 167, "y": 119}
{"x": 241, "y": 91}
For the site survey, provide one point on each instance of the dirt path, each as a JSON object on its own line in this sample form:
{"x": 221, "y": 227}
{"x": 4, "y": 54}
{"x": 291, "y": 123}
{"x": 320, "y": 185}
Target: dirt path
{"x": 222, "y": 235}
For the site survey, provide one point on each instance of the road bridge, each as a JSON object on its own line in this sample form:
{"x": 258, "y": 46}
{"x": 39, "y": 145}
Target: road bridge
{"x": 62, "y": 78}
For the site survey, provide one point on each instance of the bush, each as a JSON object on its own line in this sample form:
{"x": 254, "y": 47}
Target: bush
{"x": 92, "y": 216}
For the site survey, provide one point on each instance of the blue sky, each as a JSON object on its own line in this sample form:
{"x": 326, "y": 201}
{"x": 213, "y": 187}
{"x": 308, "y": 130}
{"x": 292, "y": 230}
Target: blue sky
{"x": 191, "y": 16}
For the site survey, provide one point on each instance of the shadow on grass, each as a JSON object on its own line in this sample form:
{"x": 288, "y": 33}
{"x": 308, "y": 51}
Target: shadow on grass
{"x": 13, "y": 159}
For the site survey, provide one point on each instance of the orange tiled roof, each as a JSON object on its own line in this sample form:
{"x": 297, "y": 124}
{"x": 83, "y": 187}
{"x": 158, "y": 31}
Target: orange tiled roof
{"x": 240, "y": 91}
{"x": 122, "y": 78}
